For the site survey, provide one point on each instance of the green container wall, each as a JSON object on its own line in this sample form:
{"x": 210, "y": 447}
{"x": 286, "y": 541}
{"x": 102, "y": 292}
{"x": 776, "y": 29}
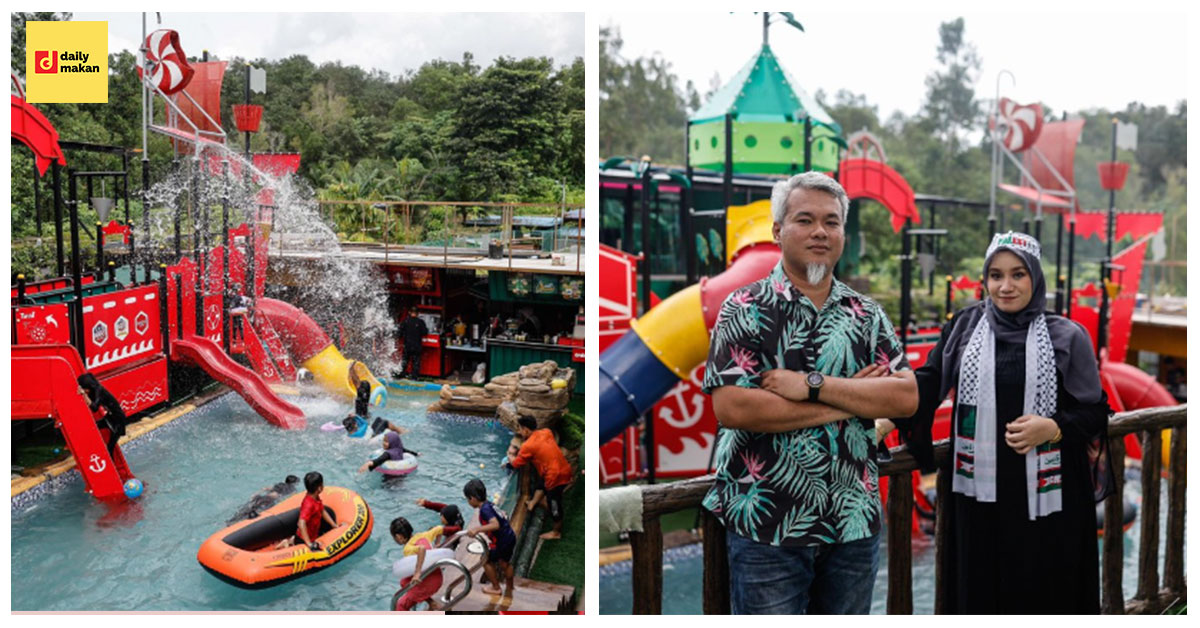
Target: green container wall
{"x": 761, "y": 147}
{"x": 506, "y": 359}
{"x": 498, "y": 291}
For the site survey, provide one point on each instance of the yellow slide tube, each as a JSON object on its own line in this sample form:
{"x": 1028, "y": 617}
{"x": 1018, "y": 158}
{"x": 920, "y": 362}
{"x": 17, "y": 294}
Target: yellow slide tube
{"x": 674, "y": 331}
{"x": 340, "y": 375}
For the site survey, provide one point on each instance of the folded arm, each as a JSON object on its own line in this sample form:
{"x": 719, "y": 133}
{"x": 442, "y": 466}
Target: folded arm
{"x": 759, "y": 410}
{"x": 864, "y": 397}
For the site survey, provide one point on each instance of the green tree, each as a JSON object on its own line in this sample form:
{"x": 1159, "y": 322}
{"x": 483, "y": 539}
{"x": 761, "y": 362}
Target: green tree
{"x": 642, "y": 109}
{"x": 950, "y": 103}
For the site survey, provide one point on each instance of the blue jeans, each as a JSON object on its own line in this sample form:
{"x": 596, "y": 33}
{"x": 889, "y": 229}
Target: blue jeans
{"x": 835, "y": 579}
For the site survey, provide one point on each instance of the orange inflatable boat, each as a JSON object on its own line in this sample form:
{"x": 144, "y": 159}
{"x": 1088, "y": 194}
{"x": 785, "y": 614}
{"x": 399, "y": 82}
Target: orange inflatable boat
{"x": 242, "y": 553}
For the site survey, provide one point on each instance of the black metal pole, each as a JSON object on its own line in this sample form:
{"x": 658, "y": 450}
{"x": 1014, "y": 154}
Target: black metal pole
{"x": 807, "y": 143}
{"x": 99, "y": 246}
{"x": 55, "y": 177}
{"x": 727, "y": 182}
{"x": 179, "y": 306}
{"x": 196, "y": 251}
{"x": 247, "y": 133}
{"x": 178, "y": 219}
{"x": 905, "y": 282}
{"x": 627, "y": 222}
{"x": 1105, "y": 270}
{"x": 37, "y": 198}
{"x": 132, "y": 255}
{"x": 933, "y": 242}
{"x": 1070, "y": 264}
{"x": 949, "y": 296}
{"x": 76, "y": 269}
{"x": 146, "y": 211}
{"x": 646, "y": 256}
{"x": 251, "y": 289}
{"x": 125, "y": 185}
{"x": 225, "y": 255}
{"x": 685, "y": 212}
{"x": 1058, "y": 242}
{"x": 164, "y": 318}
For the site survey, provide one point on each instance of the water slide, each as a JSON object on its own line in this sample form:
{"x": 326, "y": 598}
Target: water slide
{"x": 209, "y": 356}
{"x": 665, "y": 344}
{"x": 312, "y": 348}
{"x": 44, "y": 386}
{"x": 1130, "y": 388}
{"x": 32, "y": 128}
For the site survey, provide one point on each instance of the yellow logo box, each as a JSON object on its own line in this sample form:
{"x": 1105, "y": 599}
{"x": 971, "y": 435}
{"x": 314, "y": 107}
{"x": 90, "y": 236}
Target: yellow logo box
{"x": 66, "y": 62}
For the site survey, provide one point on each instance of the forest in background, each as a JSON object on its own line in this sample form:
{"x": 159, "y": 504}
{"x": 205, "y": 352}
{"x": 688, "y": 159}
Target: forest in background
{"x": 512, "y": 131}
{"x": 941, "y": 150}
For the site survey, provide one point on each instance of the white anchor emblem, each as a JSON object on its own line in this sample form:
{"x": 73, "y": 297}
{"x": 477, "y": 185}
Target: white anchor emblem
{"x": 97, "y": 465}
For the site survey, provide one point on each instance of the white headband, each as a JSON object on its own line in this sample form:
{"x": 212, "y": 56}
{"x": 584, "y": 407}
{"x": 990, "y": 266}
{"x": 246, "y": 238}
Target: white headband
{"x": 1014, "y": 240}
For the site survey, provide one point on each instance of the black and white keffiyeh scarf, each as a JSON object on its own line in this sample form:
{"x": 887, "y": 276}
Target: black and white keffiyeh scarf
{"x": 976, "y": 439}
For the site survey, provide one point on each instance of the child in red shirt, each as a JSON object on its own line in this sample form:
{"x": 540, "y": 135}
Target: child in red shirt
{"x": 312, "y": 511}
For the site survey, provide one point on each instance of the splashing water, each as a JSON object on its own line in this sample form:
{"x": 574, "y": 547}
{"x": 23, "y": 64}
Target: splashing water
{"x": 346, "y": 297}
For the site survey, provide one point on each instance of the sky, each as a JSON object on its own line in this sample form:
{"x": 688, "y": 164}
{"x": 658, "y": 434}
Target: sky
{"x": 392, "y": 42}
{"x": 1068, "y": 61}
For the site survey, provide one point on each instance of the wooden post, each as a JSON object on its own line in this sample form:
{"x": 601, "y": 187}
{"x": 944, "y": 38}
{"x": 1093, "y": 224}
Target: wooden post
{"x": 647, "y": 547}
{"x": 716, "y": 565}
{"x": 899, "y": 544}
{"x": 1113, "y": 599}
{"x": 940, "y": 535}
{"x": 1147, "y": 585}
{"x": 1176, "y": 508}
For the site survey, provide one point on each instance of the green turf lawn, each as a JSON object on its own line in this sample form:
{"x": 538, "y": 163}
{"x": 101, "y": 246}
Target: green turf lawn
{"x": 561, "y": 561}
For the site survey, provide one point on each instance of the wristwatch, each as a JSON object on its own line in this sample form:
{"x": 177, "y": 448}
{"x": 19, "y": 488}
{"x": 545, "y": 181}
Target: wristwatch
{"x": 815, "y": 380}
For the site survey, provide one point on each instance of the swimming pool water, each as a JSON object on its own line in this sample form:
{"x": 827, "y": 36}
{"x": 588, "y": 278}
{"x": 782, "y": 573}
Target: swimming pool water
{"x": 70, "y": 552}
{"x": 683, "y": 571}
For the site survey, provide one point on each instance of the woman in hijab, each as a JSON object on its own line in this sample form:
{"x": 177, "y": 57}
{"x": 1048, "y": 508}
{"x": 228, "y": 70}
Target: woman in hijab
{"x": 114, "y": 419}
{"x": 1028, "y": 444}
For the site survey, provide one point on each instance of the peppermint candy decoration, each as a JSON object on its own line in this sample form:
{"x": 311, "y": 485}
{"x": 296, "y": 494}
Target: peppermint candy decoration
{"x": 171, "y": 72}
{"x": 1016, "y": 126}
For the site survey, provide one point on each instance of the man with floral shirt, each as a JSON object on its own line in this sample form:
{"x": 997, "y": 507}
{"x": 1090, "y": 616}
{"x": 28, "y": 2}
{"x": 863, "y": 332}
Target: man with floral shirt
{"x": 798, "y": 368}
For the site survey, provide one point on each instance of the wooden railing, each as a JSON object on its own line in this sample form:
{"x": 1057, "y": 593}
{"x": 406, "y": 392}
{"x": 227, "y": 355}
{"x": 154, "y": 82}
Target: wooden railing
{"x": 1151, "y": 596}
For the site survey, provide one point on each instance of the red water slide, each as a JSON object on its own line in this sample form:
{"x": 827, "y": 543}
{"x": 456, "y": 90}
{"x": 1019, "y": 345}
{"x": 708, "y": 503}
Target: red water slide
{"x": 35, "y": 131}
{"x": 207, "y": 355}
{"x": 44, "y": 386}
{"x": 299, "y": 333}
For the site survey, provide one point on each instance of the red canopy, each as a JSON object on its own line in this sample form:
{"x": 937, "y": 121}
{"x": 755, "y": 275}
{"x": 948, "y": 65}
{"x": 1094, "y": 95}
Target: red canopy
{"x": 1057, "y": 143}
{"x": 205, "y": 89}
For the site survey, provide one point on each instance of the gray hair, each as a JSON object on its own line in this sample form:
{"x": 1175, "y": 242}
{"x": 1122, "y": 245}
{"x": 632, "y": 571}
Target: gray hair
{"x": 808, "y": 181}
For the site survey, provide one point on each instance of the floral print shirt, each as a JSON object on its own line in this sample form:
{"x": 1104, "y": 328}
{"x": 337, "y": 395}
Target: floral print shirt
{"x": 807, "y": 486}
